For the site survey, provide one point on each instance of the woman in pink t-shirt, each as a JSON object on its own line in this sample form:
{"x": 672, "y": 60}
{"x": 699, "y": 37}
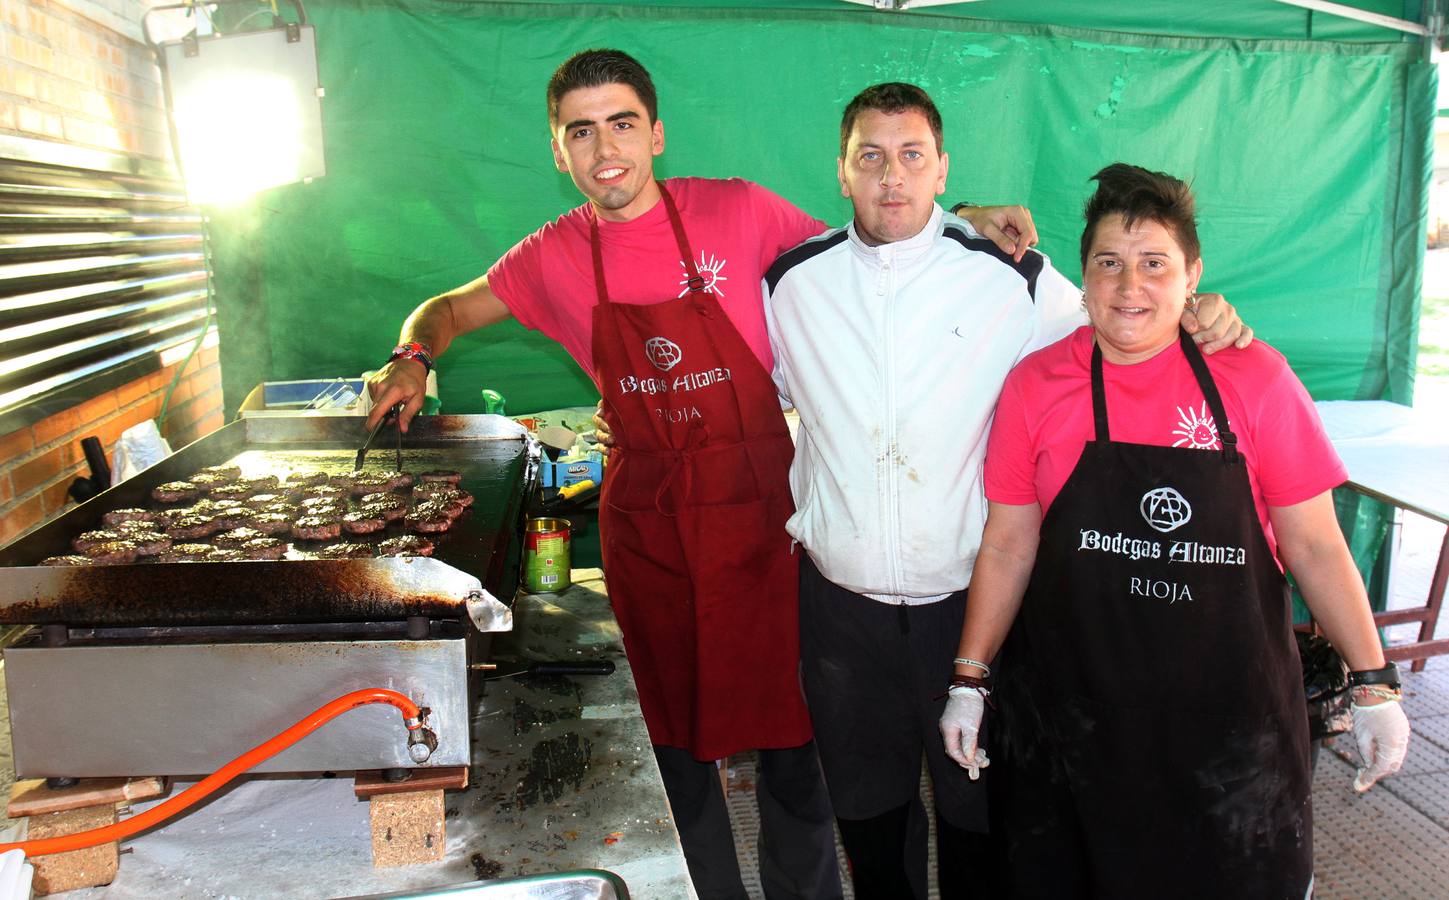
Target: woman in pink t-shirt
{"x": 1149, "y": 706}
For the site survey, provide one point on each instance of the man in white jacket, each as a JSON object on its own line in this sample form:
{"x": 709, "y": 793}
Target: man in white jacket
{"x": 892, "y": 337}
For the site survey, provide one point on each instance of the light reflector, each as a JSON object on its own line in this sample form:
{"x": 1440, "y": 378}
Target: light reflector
{"x": 247, "y": 111}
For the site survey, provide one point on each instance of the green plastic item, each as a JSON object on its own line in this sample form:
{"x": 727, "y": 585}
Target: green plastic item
{"x": 431, "y": 405}
{"x": 493, "y": 402}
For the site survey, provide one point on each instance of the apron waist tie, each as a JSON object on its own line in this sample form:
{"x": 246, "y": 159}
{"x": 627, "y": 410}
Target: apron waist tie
{"x": 717, "y": 445}
{"x": 668, "y": 479}
{"x": 695, "y": 441}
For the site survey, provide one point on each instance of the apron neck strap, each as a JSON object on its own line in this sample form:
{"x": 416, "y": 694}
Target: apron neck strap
{"x": 1205, "y": 383}
{"x": 686, "y": 255}
{"x": 695, "y": 283}
{"x": 1210, "y": 393}
{"x": 600, "y": 288}
{"x": 1099, "y": 395}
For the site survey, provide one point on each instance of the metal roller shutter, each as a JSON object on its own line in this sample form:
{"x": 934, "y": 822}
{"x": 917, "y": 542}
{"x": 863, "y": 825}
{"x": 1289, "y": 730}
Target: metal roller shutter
{"x": 103, "y": 267}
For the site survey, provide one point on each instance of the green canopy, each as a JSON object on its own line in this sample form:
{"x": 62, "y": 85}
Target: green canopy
{"x": 1307, "y": 137}
{"x": 1309, "y": 157}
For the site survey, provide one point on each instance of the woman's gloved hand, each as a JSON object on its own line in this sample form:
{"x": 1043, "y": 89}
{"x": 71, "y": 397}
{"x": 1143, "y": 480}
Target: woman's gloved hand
{"x": 961, "y": 729}
{"x": 1382, "y": 733}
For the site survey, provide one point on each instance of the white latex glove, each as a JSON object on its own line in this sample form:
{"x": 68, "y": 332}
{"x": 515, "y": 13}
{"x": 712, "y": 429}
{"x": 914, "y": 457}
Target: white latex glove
{"x": 960, "y": 728}
{"x": 1382, "y": 733}
{"x": 15, "y": 875}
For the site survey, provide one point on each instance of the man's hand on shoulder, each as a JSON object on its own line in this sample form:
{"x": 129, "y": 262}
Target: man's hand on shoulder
{"x": 1008, "y": 227}
{"x": 1215, "y": 324}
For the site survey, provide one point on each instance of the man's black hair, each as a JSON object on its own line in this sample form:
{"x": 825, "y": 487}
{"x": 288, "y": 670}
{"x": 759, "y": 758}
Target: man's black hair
{"x": 891, "y": 97}
{"x": 594, "y": 68}
{"x": 1136, "y": 194}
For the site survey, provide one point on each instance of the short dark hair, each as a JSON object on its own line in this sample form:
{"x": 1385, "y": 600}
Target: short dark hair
{"x": 593, "y": 68}
{"x": 891, "y": 97}
{"x": 1136, "y": 193}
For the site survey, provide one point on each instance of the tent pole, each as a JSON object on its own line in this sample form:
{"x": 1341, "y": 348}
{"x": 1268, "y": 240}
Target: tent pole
{"x": 1360, "y": 15}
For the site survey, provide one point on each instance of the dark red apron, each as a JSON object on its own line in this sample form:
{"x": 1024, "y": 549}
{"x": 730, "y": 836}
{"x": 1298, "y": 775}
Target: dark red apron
{"x": 1153, "y": 737}
{"x": 698, "y": 563}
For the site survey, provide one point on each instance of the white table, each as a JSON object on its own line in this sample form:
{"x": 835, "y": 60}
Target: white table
{"x": 1400, "y": 456}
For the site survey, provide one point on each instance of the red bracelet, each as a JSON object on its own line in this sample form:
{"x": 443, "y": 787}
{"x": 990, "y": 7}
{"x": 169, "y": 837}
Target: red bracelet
{"x": 981, "y": 686}
{"x": 413, "y": 350}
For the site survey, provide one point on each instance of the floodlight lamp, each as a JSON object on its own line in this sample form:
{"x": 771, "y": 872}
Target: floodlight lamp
{"x": 245, "y": 106}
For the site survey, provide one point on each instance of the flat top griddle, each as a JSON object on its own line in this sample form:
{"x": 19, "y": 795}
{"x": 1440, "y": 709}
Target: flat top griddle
{"x": 474, "y": 562}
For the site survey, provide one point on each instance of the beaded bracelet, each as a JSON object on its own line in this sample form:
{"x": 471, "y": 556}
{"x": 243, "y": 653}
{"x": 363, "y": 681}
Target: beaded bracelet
{"x": 1377, "y": 690}
{"x": 967, "y": 661}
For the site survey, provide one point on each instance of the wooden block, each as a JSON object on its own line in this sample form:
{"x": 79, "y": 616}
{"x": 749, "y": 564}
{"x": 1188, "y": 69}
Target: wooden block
{"x": 76, "y": 868}
{"x": 407, "y": 829}
{"x": 32, "y": 797}
{"x": 368, "y": 784}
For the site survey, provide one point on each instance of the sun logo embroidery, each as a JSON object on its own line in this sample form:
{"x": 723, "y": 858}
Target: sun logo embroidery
{"x": 709, "y": 270}
{"x": 1196, "y": 430}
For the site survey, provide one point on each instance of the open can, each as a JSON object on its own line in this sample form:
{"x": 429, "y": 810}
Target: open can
{"x": 546, "y": 556}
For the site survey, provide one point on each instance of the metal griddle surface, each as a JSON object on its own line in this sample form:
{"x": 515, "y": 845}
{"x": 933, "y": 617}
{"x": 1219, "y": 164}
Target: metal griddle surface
{"x": 479, "y": 553}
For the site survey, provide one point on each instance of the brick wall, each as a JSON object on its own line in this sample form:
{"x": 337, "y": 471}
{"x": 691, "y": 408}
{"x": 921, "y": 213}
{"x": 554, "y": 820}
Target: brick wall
{"x": 40, "y": 461}
{"x": 77, "y": 72}
{"x": 66, "y": 76}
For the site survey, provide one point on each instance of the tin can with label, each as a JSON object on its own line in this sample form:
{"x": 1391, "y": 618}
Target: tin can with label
{"x": 546, "y": 556}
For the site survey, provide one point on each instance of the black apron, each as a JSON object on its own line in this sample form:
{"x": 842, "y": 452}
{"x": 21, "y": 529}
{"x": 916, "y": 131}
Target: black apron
{"x": 1152, "y": 724}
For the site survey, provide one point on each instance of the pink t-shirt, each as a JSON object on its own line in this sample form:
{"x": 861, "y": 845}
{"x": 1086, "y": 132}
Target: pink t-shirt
{"x": 1044, "y": 418}
{"x": 735, "y": 228}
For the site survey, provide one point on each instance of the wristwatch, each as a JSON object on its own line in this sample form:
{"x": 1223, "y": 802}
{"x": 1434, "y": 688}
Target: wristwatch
{"x": 414, "y": 350}
{"x": 1388, "y": 675}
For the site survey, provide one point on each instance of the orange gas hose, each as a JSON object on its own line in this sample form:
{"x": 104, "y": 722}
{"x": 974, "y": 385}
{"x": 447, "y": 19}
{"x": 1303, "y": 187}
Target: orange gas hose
{"x": 266, "y": 750}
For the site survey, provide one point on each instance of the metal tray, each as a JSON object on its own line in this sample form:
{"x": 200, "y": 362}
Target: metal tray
{"x": 585, "y": 884}
{"x": 474, "y": 563}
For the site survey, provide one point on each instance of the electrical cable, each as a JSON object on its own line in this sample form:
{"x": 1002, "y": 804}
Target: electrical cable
{"x": 267, "y": 749}
{"x": 237, "y": 27}
{"x": 206, "y": 11}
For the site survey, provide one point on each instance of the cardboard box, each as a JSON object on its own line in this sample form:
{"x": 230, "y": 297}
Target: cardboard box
{"x": 566, "y": 472}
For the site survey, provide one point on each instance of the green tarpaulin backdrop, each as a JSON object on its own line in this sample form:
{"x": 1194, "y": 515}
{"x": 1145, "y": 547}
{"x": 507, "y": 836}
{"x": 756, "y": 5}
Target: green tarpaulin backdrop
{"x": 1309, "y": 158}
{"x": 1306, "y": 136}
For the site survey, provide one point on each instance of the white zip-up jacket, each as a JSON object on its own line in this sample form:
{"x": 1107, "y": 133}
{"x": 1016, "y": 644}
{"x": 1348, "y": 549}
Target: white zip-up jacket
{"x": 894, "y": 357}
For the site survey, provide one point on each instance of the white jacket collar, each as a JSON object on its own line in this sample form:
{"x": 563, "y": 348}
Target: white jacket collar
{"x": 902, "y": 251}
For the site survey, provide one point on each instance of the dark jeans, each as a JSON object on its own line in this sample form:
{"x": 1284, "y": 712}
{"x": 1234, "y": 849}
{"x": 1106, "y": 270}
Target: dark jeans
{"x": 875, "y": 677}
{"x": 797, "y": 843}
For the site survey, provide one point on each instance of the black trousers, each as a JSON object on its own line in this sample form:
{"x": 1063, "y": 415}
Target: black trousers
{"x": 796, "y": 844}
{"x": 875, "y": 677}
